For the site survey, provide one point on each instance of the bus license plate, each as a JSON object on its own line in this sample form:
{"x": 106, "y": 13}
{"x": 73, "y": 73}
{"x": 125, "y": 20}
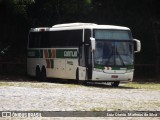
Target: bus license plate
{"x": 114, "y": 76}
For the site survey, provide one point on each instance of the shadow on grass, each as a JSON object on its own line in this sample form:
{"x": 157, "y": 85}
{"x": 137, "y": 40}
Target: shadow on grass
{"x": 146, "y": 80}
{"x": 25, "y": 78}
{"x": 103, "y": 85}
{"x": 16, "y": 78}
{"x": 106, "y": 85}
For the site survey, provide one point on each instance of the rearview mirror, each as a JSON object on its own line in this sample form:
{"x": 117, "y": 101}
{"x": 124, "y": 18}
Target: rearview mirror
{"x": 138, "y": 45}
{"x": 93, "y": 43}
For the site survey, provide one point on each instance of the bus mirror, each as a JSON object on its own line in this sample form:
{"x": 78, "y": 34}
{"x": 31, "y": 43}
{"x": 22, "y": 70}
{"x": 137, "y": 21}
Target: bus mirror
{"x": 137, "y": 45}
{"x": 93, "y": 43}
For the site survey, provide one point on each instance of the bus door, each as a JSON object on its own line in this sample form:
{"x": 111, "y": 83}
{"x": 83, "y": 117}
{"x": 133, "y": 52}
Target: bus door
{"x": 85, "y": 57}
{"x": 81, "y": 71}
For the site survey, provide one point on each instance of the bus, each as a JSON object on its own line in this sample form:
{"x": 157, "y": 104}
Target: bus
{"x": 82, "y": 52}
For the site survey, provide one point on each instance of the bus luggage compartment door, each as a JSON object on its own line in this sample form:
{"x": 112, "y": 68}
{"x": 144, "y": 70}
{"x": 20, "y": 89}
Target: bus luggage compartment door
{"x": 82, "y": 73}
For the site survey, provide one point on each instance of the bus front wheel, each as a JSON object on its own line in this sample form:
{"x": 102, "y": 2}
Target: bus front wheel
{"x": 115, "y": 84}
{"x": 38, "y": 73}
{"x": 77, "y": 76}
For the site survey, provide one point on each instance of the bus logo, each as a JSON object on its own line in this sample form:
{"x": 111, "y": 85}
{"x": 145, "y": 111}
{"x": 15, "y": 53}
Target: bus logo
{"x": 70, "y": 53}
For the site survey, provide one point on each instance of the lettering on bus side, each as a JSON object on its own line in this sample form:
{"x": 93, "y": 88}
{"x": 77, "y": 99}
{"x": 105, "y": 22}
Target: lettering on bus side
{"x": 63, "y": 53}
{"x": 70, "y": 54}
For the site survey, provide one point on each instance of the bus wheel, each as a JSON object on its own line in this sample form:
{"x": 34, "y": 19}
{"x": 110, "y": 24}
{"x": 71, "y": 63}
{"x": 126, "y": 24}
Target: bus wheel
{"x": 43, "y": 74}
{"x": 77, "y": 76}
{"x": 85, "y": 82}
{"x": 115, "y": 84}
{"x": 38, "y": 72}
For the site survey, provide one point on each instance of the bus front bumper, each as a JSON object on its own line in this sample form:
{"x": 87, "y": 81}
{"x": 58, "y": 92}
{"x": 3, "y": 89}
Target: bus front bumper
{"x": 109, "y": 77}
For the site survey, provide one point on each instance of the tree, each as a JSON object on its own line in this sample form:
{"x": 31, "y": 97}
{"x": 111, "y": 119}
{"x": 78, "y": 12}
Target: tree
{"x": 14, "y": 26}
{"x": 50, "y": 12}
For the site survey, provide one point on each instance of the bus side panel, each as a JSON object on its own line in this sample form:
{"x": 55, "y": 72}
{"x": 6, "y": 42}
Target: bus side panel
{"x": 32, "y": 63}
{"x": 30, "y": 67}
{"x": 63, "y": 68}
{"x": 59, "y": 69}
{"x": 71, "y": 67}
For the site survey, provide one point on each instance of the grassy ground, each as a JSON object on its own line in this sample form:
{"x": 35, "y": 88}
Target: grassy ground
{"x": 143, "y": 85}
{"x": 133, "y": 85}
{"x": 24, "y": 81}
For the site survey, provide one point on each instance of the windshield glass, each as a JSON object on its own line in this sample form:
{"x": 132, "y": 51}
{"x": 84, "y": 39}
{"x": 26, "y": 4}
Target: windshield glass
{"x": 111, "y": 53}
{"x": 113, "y": 47}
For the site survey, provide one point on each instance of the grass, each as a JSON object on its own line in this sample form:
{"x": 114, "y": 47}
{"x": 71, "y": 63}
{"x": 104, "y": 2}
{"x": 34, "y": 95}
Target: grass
{"x": 6, "y": 84}
{"x": 27, "y": 82}
{"x": 43, "y": 85}
{"x": 23, "y": 84}
{"x": 98, "y": 109}
{"x": 143, "y": 85}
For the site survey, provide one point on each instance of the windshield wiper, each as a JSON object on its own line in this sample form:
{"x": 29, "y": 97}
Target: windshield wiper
{"x": 119, "y": 56}
{"x": 112, "y": 54}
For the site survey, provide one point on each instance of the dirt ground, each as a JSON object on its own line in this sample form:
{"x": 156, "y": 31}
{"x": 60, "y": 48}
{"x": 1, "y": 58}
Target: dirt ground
{"x": 27, "y": 95}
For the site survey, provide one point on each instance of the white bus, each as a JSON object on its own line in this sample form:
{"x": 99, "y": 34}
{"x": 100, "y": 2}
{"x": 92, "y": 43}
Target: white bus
{"x": 82, "y": 52}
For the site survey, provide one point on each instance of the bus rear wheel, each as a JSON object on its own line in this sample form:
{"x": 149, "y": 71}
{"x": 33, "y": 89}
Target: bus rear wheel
{"x": 43, "y": 74}
{"x": 38, "y": 73}
{"x": 115, "y": 84}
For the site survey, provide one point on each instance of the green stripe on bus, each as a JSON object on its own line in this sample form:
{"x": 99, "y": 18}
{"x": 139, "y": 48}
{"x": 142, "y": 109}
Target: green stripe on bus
{"x": 114, "y": 67}
{"x": 60, "y": 53}
{"x": 99, "y": 66}
{"x": 49, "y": 53}
{"x": 35, "y": 53}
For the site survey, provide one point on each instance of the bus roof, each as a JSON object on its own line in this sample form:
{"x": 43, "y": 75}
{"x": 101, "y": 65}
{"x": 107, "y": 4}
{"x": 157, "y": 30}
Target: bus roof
{"x": 87, "y": 26}
{"x": 72, "y": 26}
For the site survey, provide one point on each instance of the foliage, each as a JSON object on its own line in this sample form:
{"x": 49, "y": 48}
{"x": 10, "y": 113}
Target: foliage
{"x": 18, "y": 16}
{"x": 49, "y": 12}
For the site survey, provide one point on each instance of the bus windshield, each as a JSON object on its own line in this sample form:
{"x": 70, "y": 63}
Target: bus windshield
{"x": 113, "y": 48}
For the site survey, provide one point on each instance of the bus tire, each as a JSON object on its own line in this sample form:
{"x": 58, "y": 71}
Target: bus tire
{"x": 115, "y": 84}
{"x": 43, "y": 74}
{"x": 85, "y": 82}
{"x": 77, "y": 76}
{"x": 38, "y": 73}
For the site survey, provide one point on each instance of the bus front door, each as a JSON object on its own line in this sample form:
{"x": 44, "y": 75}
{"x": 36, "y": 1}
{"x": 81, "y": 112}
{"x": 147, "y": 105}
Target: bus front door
{"x": 81, "y": 70}
{"x": 85, "y": 63}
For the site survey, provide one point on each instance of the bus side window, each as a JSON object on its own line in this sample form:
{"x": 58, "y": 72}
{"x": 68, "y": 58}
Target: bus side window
{"x": 34, "y": 40}
{"x": 67, "y": 38}
{"x": 73, "y": 37}
{"x": 44, "y": 40}
{"x": 81, "y": 56}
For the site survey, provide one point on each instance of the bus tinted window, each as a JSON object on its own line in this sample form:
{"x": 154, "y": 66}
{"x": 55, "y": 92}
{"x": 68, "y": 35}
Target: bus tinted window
{"x": 65, "y": 38}
{"x": 87, "y": 35}
{"x": 34, "y": 40}
{"x": 44, "y": 40}
{"x": 49, "y": 39}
